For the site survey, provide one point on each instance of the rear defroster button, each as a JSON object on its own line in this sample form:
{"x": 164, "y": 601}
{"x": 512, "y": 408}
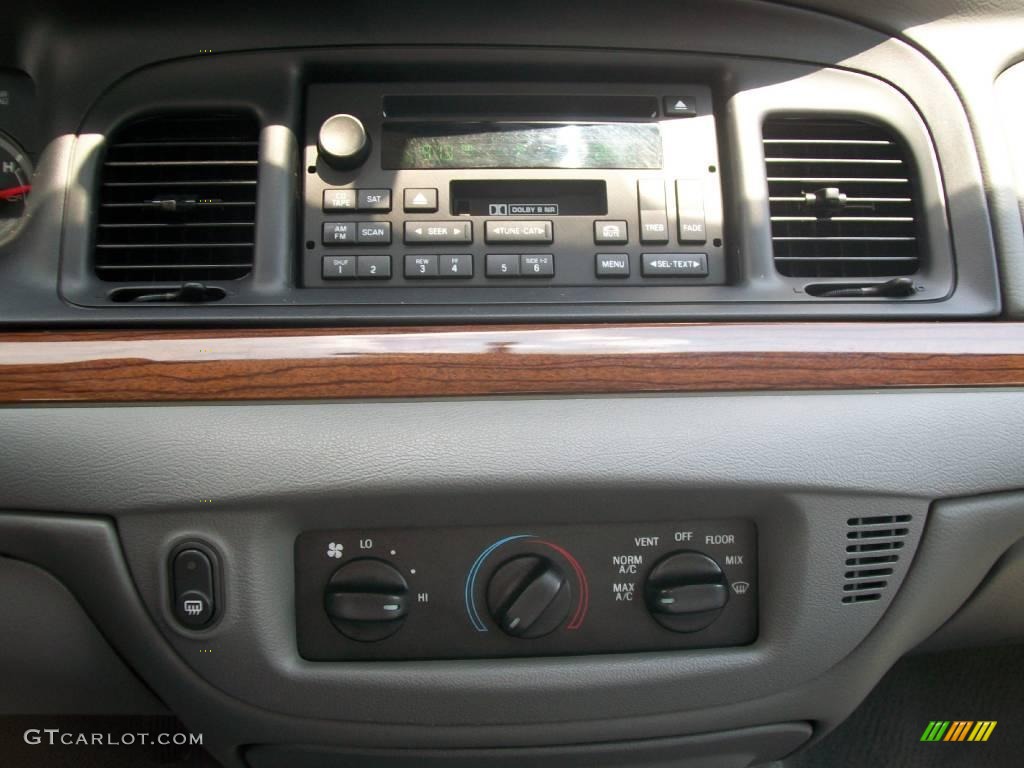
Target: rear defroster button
{"x": 193, "y": 584}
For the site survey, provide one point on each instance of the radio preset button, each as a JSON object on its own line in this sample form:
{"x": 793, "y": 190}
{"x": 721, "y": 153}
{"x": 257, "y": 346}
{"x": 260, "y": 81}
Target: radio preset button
{"x": 420, "y": 266}
{"x": 373, "y": 267}
{"x": 370, "y": 232}
{"x": 339, "y": 233}
{"x": 339, "y": 200}
{"x": 438, "y": 232}
{"x": 456, "y": 265}
{"x": 690, "y": 209}
{"x": 611, "y": 232}
{"x": 675, "y": 265}
{"x": 519, "y": 232}
{"x": 502, "y": 264}
{"x": 339, "y": 268}
{"x": 612, "y": 265}
{"x": 537, "y": 265}
{"x": 420, "y": 200}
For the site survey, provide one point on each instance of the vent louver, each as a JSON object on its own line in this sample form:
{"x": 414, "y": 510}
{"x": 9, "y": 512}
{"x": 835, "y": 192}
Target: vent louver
{"x": 842, "y": 200}
{"x": 872, "y": 552}
{"x": 178, "y": 200}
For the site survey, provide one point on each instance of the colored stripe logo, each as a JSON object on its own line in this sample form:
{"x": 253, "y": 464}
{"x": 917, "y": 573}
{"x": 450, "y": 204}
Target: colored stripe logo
{"x": 958, "y": 730}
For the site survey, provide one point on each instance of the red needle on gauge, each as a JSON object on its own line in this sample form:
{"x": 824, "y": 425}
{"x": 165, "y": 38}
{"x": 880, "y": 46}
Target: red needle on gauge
{"x": 6, "y": 194}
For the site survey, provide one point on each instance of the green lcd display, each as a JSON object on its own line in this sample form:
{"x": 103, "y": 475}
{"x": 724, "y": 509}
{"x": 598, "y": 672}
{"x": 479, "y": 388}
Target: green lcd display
{"x": 431, "y": 145}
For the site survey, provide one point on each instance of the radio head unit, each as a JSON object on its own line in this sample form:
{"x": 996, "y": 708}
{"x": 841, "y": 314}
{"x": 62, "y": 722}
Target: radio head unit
{"x": 526, "y": 193}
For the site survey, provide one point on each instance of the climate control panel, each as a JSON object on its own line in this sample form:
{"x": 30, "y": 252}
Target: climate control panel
{"x": 422, "y": 593}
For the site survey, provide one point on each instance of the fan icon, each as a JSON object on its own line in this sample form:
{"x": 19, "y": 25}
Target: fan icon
{"x": 335, "y": 550}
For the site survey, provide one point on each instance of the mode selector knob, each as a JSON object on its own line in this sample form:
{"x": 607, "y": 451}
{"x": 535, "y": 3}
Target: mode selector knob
{"x": 343, "y": 142}
{"x": 367, "y": 599}
{"x": 529, "y": 596}
{"x": 686, "y": 591}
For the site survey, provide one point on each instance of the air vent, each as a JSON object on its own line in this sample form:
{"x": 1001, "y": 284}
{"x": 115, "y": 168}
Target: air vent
{"x": 873, "y": 547}
{"x": 178, "y": 200}
{"x": 842, "y": 200}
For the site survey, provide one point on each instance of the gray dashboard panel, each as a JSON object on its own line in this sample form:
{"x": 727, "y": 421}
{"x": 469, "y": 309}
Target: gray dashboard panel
{"x": 54, "y": 660}
{"x": 797, "y": 463}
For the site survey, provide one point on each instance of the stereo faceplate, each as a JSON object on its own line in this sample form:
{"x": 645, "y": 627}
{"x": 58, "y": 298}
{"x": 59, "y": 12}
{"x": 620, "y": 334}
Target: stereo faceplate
{"x": 526, "y": 234}
{"x": 535, "y": 590}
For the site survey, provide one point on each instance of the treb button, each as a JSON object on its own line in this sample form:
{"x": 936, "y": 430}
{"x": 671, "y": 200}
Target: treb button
{"x": 653, "y": 215}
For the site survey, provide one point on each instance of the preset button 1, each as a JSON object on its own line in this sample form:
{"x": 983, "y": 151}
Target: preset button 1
{"x": 339, "y": 268}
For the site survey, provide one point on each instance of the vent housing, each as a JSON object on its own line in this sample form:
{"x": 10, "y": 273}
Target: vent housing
{"x": 872, "y": 552}
{"x": 842, "y": 197}
{"x": 178, "y": 199}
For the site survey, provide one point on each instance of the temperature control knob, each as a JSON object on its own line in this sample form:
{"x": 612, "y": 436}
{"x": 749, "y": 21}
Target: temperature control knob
{"x": 686, "y": 591}
{"x": 343, "y": 142}
{"x": 367, "y": 599}
{"x": 529, "y": 596}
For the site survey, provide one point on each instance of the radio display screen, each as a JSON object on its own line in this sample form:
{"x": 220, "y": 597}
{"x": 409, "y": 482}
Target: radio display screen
{"x": 433, "y": 145}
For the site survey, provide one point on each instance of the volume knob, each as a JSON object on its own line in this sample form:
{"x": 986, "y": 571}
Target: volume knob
{"x": 343, "y": 142}
{"x": 529, "y": 596}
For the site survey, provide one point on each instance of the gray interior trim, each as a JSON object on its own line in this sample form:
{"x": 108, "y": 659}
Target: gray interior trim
{"x": 729, "y": 749}
{"x": 54, "y": 660}
{"x": 911, "y": 444}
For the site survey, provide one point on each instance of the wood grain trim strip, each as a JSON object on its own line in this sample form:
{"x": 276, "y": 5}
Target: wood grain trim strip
{"x": 307, "y": 364}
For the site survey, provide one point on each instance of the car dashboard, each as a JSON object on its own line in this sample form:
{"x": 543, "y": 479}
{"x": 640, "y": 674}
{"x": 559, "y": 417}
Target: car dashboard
{"x": 445, "y": 384}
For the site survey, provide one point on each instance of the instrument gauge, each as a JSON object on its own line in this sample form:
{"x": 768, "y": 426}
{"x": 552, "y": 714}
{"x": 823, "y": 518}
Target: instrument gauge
{"x": 15, "y": 186}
